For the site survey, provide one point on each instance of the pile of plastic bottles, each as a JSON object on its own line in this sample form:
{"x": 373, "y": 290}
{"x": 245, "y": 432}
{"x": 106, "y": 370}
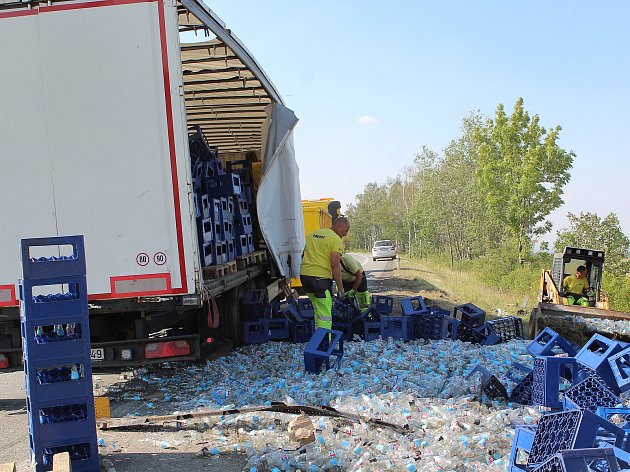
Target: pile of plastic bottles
{"x": 420, "y": 386}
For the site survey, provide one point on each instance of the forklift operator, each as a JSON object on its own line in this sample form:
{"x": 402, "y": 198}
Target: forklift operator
{"x": 576, "y": 287}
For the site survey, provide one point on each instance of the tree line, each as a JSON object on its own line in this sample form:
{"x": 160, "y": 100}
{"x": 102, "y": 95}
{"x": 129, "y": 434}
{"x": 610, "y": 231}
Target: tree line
{"x": 484, "y": 201}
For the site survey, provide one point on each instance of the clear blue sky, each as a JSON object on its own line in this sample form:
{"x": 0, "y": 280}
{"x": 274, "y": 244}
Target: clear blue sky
{"x": 413, "y": 69}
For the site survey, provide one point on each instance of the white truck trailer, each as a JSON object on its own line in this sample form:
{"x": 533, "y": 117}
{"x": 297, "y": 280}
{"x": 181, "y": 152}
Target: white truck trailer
{"x": 97, "y": 99}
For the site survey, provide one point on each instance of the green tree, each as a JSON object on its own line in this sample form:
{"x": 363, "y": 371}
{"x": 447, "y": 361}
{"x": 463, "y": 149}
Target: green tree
{"x": 590, "y": 231}
{"x": 522, "y": 172}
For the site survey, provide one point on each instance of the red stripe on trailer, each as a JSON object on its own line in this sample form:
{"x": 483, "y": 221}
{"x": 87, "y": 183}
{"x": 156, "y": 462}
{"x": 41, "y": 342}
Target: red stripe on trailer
{"x": 171, "y": 145}
{"x": 13, "y": 301}
{"x": 99, "y": 3}
{"x": 169, "y": 113}
{"x": 147, "y": 293}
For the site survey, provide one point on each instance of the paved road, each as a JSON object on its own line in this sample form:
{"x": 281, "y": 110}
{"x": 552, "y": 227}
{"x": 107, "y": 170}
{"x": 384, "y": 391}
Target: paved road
{"x": 376, "y": 271}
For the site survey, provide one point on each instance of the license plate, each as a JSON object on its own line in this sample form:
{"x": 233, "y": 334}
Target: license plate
{"x": 97, "y": 354}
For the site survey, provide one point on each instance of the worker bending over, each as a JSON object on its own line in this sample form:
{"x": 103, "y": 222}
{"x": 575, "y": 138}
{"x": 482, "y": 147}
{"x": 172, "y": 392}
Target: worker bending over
{"x": 354, "y": 280}
{"x": 320, "y": 265}
{"x": 576, "y": 286}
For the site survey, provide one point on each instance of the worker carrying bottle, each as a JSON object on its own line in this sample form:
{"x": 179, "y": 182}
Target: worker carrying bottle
{"x": 354, "y": 280}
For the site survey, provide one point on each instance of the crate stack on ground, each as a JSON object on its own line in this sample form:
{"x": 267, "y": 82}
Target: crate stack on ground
{"x": 56, "y": 344}
{"x": 578, "y": 388}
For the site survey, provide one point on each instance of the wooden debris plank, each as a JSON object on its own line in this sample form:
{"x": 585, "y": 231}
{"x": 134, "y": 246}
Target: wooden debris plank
{"x": 9, "y": 467}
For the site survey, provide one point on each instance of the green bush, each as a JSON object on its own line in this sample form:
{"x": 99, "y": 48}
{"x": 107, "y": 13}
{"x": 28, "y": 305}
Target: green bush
{"x": 618, "y": 290}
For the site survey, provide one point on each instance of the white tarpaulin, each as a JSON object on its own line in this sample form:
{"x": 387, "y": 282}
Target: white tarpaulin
{"x": 279, "y": 200}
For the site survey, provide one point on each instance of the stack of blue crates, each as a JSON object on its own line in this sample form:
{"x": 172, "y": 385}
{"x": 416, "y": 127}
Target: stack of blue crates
{"x": 57, "y": 365}
{"x": 222, "y": 206}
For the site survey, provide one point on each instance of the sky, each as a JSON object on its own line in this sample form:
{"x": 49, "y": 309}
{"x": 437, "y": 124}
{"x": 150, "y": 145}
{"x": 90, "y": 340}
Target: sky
{"x": 373, "y": 82}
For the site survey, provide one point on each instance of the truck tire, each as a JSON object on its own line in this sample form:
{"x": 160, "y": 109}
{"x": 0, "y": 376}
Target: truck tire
{"x": 230, "y": 324}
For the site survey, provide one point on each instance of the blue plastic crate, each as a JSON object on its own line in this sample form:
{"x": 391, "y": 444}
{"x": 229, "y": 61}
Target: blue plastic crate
{"x": 521, "y": 447}
{"x": 432, "y": 327}
{"x": 242, "y": 206}
{"x": 323, "y": 345}
{"x": 591, "y": 393}
{"x": 291, "y": 312}
{"x": 301, "y": 332}
{"x": 41, "y": 303}
{"x": 215, "y": 208}
{"x": 243, "y": 224}
{"x": 580, "y": 460}
{"x": 44, "y": 343}
{"x": 548, "y": 374}
{"x": 62, "y": 419}
{"x": 522, "y": 392}
{"x": 573, "y": 429}
{"x": 413, "y": 306}
{"x": 256, "y": 332}
{"x": 227, "y": 231}
{"x": 253, "y": 305}
{"x": 231, "y": 250}
{"x": 305, "y": 307}
{"x": 490, "y": 385}
{"x": 434, "y": 310}
{"x": 549, "y": 343}
{"x": 383, "y": 305}
{"x": 507, "y": 328}
{"x": 83, "y": 453}
{"x": 372, "y": 330}
{"x": 205, "y": 232}
{"x": 247, "y": 192}
{"x": 620, "y": 366}
{"x": 469, "y": 334}
{"x": 344, "y": 327}
{"x": 242, "y": 246}
{"x": 223, "y": 185}
{"x": 397, "y": 327}
{"x": 205, "y": 206}
{"x": 250, "y": 242}
{"x": 595, "y": 354}
{"x": 56, "y": 261}
{"x": 470, "y": 314}
{"x": 488, "y": 335}
{"x": 278, "y": 329}
{"x": 206, "y": 254}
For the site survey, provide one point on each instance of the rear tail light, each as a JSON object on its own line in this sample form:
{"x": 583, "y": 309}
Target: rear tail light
{"x": 4, "y": 362}
{"x": 167, "y": 349}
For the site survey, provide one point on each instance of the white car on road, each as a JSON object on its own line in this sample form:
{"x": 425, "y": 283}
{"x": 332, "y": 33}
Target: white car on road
{"x": 384, "y": 249}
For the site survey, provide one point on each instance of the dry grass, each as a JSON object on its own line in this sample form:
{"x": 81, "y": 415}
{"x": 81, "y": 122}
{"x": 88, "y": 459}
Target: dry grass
{"x": 446, "y": 287}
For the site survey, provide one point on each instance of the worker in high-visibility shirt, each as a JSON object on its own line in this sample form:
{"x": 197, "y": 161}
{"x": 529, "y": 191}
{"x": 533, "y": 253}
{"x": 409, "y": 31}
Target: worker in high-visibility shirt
{"x": 354, "y": 280}
{"x": 320, "y": 265}
{"x": 576, "y": 287}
